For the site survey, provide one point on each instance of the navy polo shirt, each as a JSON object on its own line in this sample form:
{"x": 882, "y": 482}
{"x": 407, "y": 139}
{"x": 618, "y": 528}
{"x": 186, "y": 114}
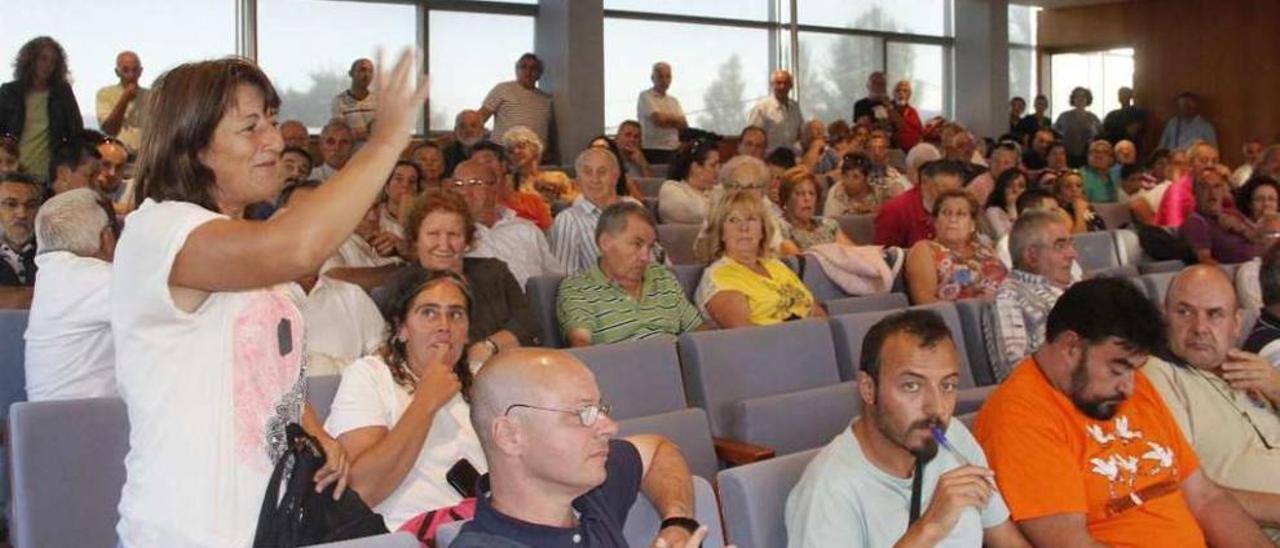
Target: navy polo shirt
{"x": 601, "y": 511}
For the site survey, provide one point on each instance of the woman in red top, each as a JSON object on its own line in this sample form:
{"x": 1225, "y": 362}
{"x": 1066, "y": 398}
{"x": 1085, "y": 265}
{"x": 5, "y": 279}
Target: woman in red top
{"x": 906, "y": 121}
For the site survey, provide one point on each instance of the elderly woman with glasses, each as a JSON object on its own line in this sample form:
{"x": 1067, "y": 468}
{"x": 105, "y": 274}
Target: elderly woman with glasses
{"x": 524, "y": 151}
{"x": 402, "y": 413}
{"x": 957, "y": 263}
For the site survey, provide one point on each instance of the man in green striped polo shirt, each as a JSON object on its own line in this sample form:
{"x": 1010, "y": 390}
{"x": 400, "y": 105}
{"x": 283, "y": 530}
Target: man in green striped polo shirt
{"x": 625, "y": 296}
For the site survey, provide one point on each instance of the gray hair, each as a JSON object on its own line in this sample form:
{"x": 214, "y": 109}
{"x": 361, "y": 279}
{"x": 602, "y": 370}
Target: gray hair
{"x": 72, "y": 221}
{"x": 522, "y": 134}
{"x": 741, "y": 171}
{"x": 335, "y": 123}
{"x": 582, "y": 159}
{"x": 614, "y": 218}
{"x": 1029, "y": 230}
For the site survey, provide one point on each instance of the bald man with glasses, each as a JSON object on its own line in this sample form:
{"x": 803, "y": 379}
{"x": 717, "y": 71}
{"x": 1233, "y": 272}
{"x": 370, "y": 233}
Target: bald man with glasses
{"x": 500, "y": 233}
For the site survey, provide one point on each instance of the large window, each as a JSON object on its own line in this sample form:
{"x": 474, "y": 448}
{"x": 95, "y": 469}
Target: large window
{"x": 93, "y": 32}
{"x": 463, "y": 67}
{"x": 926, "y": 17}
{"x": 1101, "y": 72}
{"x": 922, "y": 65}
{"x": 833, "y": 72}
{"x": 308, "y": 58}
{"x": 718, "y": 73}
{"x": 1022, "y": 52}
{"x": 753, "y": 10}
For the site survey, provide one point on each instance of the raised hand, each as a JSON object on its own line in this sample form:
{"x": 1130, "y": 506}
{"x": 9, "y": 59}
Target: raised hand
{"x": 401, "y": 94}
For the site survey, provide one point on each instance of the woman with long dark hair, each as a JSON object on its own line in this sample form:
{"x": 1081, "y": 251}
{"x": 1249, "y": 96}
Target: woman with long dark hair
{"x": 38, "y": 107}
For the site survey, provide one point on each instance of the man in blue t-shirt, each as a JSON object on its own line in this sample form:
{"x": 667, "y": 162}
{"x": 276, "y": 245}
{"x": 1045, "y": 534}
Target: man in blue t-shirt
{"x": 556, "y": 475}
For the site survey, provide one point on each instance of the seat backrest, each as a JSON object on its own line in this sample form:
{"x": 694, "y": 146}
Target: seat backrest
{"x": 59, "y": 497}
{"x": 643, "y": 521}
{"x": 1114, "y": 215}
{"x": 1096, "y": 250}
{"x": 1230, "y": 269}
{"x": 815, "y": 278}
{"x": 637, "y": 378}
{"x": 13, "y": 373}
{"x": 797, "y": 421}
{"x": 1122, "y": 271}
{"x": 975, "y": 343}
{"x": 320, "y": 392}
{"x": 690, "y": 431}
{"x": 402, "y": 539}
{"x": 649, "y": 186}
{"x": 689, "y": 276}
{"x": 677, "y": 239}
{"x": 859, "y": 228}
{"x": 1128, "y": 249}
{"x": 726, "y": 366}
{"x": 651, "y": 204}
{"x": 867, "y": 303}
{"x": 849, "y": 330}
{"x": 1157, "y": 285}
{"x": 542, "y": 291}
{"x": 754, "y": 499}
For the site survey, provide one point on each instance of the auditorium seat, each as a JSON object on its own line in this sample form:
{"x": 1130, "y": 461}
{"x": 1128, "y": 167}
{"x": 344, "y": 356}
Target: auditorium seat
{"x": 1130, "y": 252}
{"x": 816, "y": 279}
{"x": 754, "y": 499}
{"x": 751, "y": 381}
{"x": 859, "y": 228}
{"x": 1114, "y": 215}
{"x": 691, "y": 432}
{"x": 390, "y": 540}
{"x": 868, "y": 303}
{"x": 1157, "y": 285}
{"x": 689, "y": 276}
{"x": 976, "y": 319}
{"x": 649, "y": 186}
{"x": 542, "y": 290}
{"x": 1122, "y": 271}
{"x": 658, "y": 170}
{"x": 13, "y": 375}
{"x": 651, "y": 205}
{"x": 68, "y": 466}
{"x": 321, "y": 390}
{"x": 1096, "y": 250}
{"x": 677, "y": 239}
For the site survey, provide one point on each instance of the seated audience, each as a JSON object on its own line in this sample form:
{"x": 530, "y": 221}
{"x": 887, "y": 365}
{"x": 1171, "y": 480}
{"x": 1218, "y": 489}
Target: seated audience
{"x": 1224, "y": 400}
{"x": 112, "y": 160}
{"x": 626, "y": 185}
{"x": 799, "y": 196}
{"x": 628, "y": 141}
{"x": 1068, "y": 189}
{"x": 343, "y": 323}
{"x": 886, "y": 180}
{"x": 468, "y": 131}
{"x": 746, "y": 173}
{"x": 1041, "y": 245}
{"x": 524, "y": 152}
{"x": 1031, "y": 124}
{"x": 295, "y": 135}
{"x": 908, "y": 218}
{"x": 1160, "y": 172}
{"x": 294, "y": 164}
{"x": 1036, "y": 157}
{"x": 527, "y": 205}
{"x": 499, "y": 233}
{"x": 429, "y": 158}
{"x": 1126, "y": 154}
{"x": 400, "y": 413}
{"x": 1248, "y": 288}
{"x": 74, "y": 163}
{"x": 956, "y": 263}
{"x": 625, "y": 296}
{"x": 853, "y": 194}
{"x": 746, "y": 285}
{"x": 1216, "y": 232}
{"x": 1099, "y": 183}
{"x": 918, "y": 156}
{"x": 573, "y": 232}
{"x": 20, "y": 197}
{"x": 10, "y": 154}
{"x": 1266, "y": 332}
{"x": 1084, "y": 450}
{"x": 960, "y": 146}
{"x": 857, "y": 490}
{"x": 1002, "y": 203}
{"x": 1030, "y": 200}
{"x": 1056, "y": 158}
{"x": 686, "y": 194}
{"x": 1252, "y": 151}
{"x": 556, "y": 475}
{"x": 778, "y": 161}
{"x": 336, "y": 146}
{"x": 404, "y": 184}
{"x": 1179, "y": 200}
{"x": 1258, "y": 197}
{"x": 1003, "y": 159}
{"x": 752, "y": 141}
{"x": 70, "y": 353}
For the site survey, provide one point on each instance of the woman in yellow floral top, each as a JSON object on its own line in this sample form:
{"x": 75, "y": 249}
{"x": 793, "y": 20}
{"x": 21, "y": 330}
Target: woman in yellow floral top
{"x": 956, "y": 263}
{"x": 746, "y": 285}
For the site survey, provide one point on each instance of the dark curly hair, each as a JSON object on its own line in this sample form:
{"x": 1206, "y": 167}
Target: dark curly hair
{"x": 24, "y": 66}
{"x": 395, "y": 311}
{"x": 1244, "y": 196}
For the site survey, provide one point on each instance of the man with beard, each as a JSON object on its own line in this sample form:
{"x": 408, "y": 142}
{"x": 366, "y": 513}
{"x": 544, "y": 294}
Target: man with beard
{"x": 468, "y": 129}
{"x": 1084, "y": 449}
{"x": 855, "y": 492}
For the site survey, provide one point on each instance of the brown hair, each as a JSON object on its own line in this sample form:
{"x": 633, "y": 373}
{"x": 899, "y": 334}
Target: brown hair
{"x": 792, "y": 179}
{"x": 185, "y": 106}
{"x": 955, "y": 194}
{"x": 435, "y": 200}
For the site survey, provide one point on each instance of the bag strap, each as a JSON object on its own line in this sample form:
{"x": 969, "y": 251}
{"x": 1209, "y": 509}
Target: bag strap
{"x": 425, "y": 526}
{"x": 917, "y": 485}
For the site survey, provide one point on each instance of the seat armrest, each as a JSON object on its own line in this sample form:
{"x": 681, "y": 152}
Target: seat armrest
{"x": 734, "y": 452}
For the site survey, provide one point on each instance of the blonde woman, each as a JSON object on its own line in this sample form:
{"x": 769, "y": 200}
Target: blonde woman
{"x": 524, "y": 151}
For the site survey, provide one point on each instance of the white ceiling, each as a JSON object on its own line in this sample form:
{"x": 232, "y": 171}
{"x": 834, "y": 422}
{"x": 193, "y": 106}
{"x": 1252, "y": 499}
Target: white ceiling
{"x": 1065, "y": 3}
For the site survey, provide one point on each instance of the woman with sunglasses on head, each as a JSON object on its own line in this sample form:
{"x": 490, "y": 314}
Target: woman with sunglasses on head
{"x": 686, "y": 195}
{"x": 38, "y": 107}
{"x": 402, "y": 414}
{"x": 208, "y": 342}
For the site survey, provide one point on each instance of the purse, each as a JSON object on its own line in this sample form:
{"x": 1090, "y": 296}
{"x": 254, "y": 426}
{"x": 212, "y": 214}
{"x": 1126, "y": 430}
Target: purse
{"x": 303, "y": 517}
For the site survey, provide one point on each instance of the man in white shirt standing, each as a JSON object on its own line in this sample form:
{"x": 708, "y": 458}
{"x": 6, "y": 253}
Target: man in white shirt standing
{"x": 120, "y": 105}
{"x": 519, "y": 102}
{"x": 859, "y": 490}
{"x": 500, "y": 234}
{"x": 356, "y": 105}
{"x": 778, "y": 114}
{"x": 70, "y": 353}
{"x": 661, "y": 117}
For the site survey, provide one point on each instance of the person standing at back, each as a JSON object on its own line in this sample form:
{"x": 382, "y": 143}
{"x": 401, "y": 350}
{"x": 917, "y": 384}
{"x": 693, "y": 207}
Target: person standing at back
{"x": 38, "y": 106}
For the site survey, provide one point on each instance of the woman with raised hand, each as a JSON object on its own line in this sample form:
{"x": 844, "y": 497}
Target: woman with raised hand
{"x": 208, "y": 344}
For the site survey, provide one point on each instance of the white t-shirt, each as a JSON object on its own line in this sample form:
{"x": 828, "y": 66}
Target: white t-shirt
{"x": 368, "y": 396}
{"x": 679, "y": 202}
{"x": 357, "y": 253}
{"x": 342, "y": 324}
{"x": 844, "y": 500}
{"x": 357, "y": 113}
{"x": 653, "y": 135}
{"x": 208, "y": 393}
{"x": 70, "y": 353}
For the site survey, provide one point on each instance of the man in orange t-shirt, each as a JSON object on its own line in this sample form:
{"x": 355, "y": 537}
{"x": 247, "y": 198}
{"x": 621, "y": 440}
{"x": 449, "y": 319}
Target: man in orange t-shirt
{"x": 1083, "y": 447}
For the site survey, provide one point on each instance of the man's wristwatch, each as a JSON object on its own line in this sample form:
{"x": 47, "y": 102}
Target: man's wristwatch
{"x": 688, "y": 524}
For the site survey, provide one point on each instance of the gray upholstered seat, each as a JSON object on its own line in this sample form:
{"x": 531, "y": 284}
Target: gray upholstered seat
{"x": 677, "y": 240}
{"x": 754, "y": 498}
{"x": 542, "y": 291}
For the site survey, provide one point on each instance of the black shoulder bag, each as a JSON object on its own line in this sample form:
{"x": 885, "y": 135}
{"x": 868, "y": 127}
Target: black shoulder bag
{"x": 303, "y": 517}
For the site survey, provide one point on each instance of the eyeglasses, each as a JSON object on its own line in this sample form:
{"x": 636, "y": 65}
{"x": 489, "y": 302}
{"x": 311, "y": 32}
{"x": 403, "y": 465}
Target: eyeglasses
{"x": 587, "y": 414}
{"x": 471, "y": 182}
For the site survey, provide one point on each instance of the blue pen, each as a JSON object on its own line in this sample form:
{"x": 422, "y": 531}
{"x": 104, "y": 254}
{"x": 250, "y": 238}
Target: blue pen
{"x": 941, "y": 438}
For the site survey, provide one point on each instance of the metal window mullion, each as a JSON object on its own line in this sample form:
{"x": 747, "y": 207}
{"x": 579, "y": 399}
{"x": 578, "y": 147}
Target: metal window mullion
{"x": 247, "y": 29}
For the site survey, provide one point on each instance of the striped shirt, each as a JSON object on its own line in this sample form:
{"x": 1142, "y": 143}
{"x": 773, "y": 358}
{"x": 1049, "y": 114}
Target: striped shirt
{"x": 594, "y": 302}
{"x": 514, "y": 105}
{"x": 573, "y": 235}
{"x": 1022, "y": 307}
{"x": 357, "y": 113}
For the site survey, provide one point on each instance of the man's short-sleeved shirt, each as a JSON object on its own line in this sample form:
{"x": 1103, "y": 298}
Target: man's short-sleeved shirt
{"x": 654, "y": 136}
{"x": 1124, "y": 474}
{"x": 903, "y": 221}
{"x": 844, "y": 500}
{"x": 780, "y": 121}
{"x": 602, "y": 511}
{"x": 357, "y": 113}
{"x": 135, "y": 116}
{"x": 514, "y": 105}
{"x": 594, "y": 302}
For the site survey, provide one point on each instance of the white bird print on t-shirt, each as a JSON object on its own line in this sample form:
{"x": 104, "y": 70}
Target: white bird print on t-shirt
{"x": 1162, "y": 455}
{"x": 1099, "y": 435}
{"x": 1123, "y": 432}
